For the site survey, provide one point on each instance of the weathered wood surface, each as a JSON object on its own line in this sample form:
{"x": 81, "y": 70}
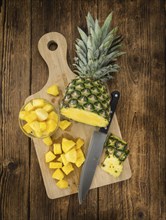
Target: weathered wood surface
{"x": 141, "y": 112}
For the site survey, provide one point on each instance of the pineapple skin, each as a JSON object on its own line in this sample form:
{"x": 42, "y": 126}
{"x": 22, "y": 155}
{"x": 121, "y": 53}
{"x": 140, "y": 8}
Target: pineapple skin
{"x": 88, "y": 95}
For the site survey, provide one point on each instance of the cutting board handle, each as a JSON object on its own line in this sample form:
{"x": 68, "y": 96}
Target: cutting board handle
{"x": 52, "y": 47}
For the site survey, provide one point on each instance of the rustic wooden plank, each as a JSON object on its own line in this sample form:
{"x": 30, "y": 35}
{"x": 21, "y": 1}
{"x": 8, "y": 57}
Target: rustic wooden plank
{"x": 140, "y": 81}
{"x": 14, "y": 69}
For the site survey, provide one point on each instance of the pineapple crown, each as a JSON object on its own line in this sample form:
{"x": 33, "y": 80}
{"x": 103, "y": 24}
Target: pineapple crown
{"x": 98, "y": 50}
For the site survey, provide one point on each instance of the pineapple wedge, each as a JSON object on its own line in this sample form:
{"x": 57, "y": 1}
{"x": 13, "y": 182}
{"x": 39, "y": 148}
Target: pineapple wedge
{"x": 71, "y": 156}
{"x": 67, "y": 144}
{"x": 57, "y": 149}
{"x": 22, "y": 115}
{"x": 47, "y": 141}
{"x": 58, "y": 174}
{"x": 62, "y": 184}
{"x": 30, "y": 116}
{"x": 64, "y": 124}
{"x": 42, "y": 115}
{"x": 80, "y": 158}
{"x": 51, "y": 125}
{"x": 59, "y": 159}
{"x": 49, "y": 156}
{"x": 55, "y": 165}
{"x": 53, "y": 90}
{"x": 67, "y": 168}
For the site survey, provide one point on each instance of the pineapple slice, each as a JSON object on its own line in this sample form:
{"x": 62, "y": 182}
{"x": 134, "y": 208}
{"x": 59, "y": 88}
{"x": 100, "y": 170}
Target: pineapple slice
{"x": 67, "y": 168}
{"x": 58, "y": 174}
{"x": 79, "y": 143}
{"x": 42, "y": 115}
{"x": 80, "y": 154}
{"x": 55, "y": 165}
{"x": 49, "y": 156}
{"x": 51, "y": 125}
{"x": 22, "y": 115}
{"x": 64, "y": 124}
{"x": 29, "y": 107}
{"x": 48, "y": 107}
{"x": 67, "y": 144}
{"x": 53, "y": 90}
{"x": 47, "y": 141}
{"x": 52, "y": 115}
{"x": 27, "y": 128}
{"x": 62, "y": 184}
{"x": 57, "y": 149}
{"x": 30, "y": 116}
{"x": 112, "y": 166}
{"x": 43, "y": 126}
{"x": 71, "y": 156}
{"x": 38, "y": 102}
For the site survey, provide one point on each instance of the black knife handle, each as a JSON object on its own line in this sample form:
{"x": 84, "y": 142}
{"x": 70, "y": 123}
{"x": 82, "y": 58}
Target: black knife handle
{"x": 113, "y": 103}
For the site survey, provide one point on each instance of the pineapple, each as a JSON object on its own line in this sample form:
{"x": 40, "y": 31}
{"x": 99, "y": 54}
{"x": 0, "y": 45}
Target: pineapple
{"x": 49, "y": 156}
{"x": 62, "y": 184}
{"x": 87, "y": 98}
{"x": 53, "y": 90}
{"x": 47, "y": 141}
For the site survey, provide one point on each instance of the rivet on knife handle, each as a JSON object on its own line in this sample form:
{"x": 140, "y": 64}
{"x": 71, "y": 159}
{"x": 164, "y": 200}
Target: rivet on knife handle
{"x": 113, "y": 103}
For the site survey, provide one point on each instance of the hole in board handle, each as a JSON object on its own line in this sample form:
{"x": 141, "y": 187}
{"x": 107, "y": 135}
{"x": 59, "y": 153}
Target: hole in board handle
{"x": 52, "y": 45}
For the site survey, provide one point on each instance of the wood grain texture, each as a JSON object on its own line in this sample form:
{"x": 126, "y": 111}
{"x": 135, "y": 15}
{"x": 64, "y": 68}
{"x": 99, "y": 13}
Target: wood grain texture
{"x": 141, "y": 112}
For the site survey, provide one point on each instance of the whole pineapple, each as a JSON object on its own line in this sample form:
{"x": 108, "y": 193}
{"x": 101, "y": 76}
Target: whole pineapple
{"x": 87, "y": 98}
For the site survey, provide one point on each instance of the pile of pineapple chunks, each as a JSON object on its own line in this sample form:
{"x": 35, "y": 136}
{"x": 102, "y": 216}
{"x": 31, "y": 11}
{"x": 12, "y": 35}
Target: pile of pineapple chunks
{"x": 63, "y": 157}
{"x": 39, "y": 116}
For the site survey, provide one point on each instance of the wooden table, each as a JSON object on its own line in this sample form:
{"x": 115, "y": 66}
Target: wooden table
{"x": 141, "y": 111}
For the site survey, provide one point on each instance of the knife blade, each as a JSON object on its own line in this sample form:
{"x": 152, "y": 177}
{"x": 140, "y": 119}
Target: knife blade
{"x": 94, "y": 153}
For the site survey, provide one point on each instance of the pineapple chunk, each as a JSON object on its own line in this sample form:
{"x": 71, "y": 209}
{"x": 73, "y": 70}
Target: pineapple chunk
{"x": 48, "y": 107}
{"x": 64, "y": 161}
{"x": 27, "y": 128}
{"x": 71, "y": 156}
{"x": 80, "y": 154}
{"x": 67, "y": 168}
{"x": 112, "y": 166}
{"x": 58, "y": 174}
{"x": 35, "y": 126}
{"x": 38, "y": 134}
{"x": 29, "y": 107}
{"x": 55, "y": 165}
{"x": 62, "y": 184}
{"x": 79, "y": 161}
{"x": 49, "y": 156}
{"x": 38, "y": 102}
{"x": 80, "y": 158}
{"x": 67, "y": 144}
{"x": 51, "y": 125}
{"x": 30, "y": 116}
{"x": 47, "y": 141}
{"x": 22, "y": 115}
{"x": 57, "y": 149}
{"x": 43, "y": 126}
{"x": 41, "y": 114}
{"x": 59, "y": 159}
{"x": 64, "y": 124}
{"x": 79, "y": 143}
{"x": 52, "y": 115}
{"x": 53, "y": 90}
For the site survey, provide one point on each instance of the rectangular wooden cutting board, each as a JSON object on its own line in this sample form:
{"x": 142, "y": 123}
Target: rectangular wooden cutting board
{"x": 60, "y": 74}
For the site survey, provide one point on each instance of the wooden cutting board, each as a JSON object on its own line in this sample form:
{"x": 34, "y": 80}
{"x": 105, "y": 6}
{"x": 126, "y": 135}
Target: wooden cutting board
{"x": 60, "y": 74}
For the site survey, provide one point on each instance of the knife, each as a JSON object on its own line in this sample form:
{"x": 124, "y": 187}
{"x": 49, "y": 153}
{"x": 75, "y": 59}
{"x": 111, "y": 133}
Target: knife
{"x": 94, "y": 153}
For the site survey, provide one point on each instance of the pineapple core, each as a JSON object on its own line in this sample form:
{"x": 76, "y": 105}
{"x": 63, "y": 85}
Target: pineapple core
{"x": 84, "y": 117}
